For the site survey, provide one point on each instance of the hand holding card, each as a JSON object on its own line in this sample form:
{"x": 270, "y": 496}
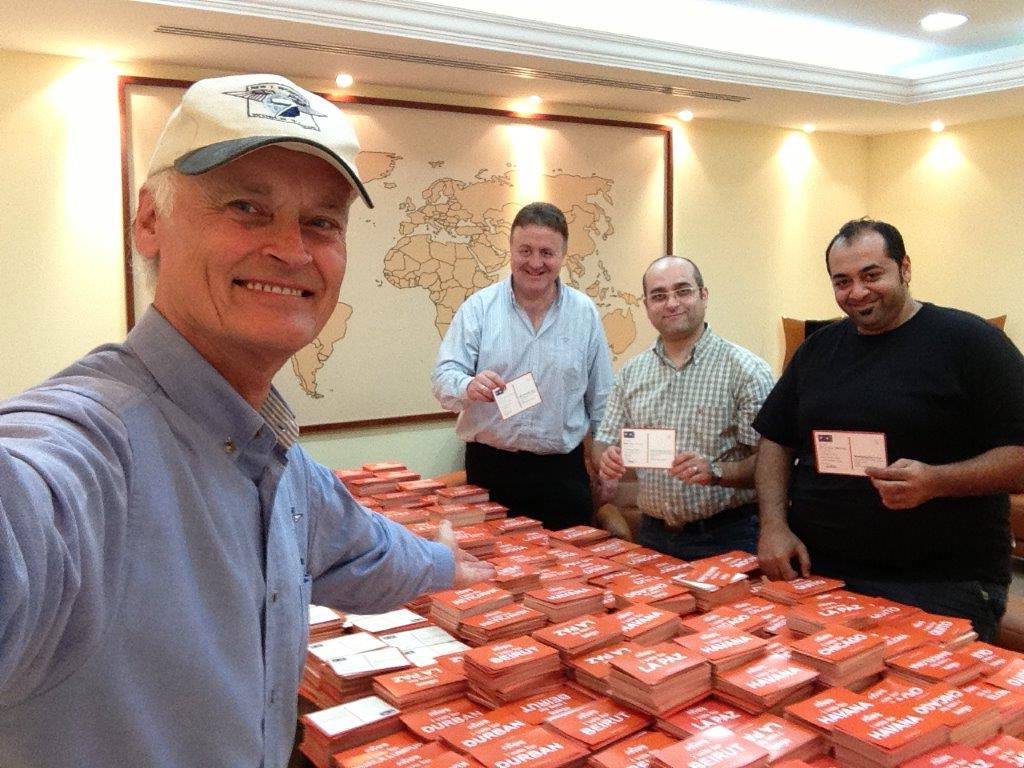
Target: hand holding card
{"x": 648, "y": 448}
{"x": 848, "y": 453}
{"x": 516, "y": 396}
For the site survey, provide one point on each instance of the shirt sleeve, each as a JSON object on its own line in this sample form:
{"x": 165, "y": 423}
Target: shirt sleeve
{"x": 457, "y": 359}
{"x": 994, "y": 377}
{"x": 600, "y": 375}
{"x": 360, "y": 561}
{"x": 777, "y": 419}
{"x": 614, "y": 414}
{"x": 63, "y": 512}
{"x": 753, "y": 390}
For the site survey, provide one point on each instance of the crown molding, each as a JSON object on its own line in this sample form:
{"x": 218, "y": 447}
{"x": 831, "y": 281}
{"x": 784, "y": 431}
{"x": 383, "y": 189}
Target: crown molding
{"x": 459, "y": 27}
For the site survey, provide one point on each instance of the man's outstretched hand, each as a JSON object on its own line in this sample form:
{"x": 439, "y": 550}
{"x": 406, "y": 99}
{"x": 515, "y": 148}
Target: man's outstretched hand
{"x": 468, "y": 568}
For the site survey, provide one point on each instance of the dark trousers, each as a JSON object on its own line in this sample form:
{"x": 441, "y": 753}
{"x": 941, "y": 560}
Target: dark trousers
{"x": 730, "y": 529}
{"x": 982, "y": 602}
{"x": 552, "y": 488}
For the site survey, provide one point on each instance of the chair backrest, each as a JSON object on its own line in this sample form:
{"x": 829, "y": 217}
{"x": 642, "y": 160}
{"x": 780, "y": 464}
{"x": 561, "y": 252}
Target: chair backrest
{"x": 796, "y": 331}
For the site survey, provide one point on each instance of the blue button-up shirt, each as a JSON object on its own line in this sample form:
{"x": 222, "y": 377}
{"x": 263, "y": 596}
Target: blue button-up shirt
{"x": 159, "y": 547}
{"x": 568, "y": 357}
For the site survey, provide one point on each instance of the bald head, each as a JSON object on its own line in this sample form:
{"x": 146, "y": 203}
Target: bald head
{"x": 659, "y": 263}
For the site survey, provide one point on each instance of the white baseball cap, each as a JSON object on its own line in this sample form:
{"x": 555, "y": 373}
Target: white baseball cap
{"x": 222, "y": 118}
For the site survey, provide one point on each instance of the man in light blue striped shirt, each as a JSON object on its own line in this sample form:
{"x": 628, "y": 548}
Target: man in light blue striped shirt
{"x": 708, "y": 390}
{"x": 532, "y": 322}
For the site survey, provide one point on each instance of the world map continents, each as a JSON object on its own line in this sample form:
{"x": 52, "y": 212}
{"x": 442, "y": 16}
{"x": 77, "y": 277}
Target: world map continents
{"x": 455, "y": 242}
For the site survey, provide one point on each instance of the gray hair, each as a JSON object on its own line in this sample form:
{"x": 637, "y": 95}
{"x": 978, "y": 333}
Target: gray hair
{"x": 163, "y": 186}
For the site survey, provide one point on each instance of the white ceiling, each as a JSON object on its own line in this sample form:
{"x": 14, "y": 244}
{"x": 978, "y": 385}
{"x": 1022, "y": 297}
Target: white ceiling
{"x": 858, "y": 66}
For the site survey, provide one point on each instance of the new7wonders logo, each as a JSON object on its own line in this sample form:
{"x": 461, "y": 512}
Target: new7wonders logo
{"x": 274, "y": 101}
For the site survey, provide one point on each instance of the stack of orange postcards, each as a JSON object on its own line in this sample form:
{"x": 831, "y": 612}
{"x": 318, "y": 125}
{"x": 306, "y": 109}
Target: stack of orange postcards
{"x": 581, "y": 635}
{"x": 843, "y": 656}
{"x": 563, "y": 602}
{"x": 597, "y": 724}
{"x": 767, "y": 683}
{"x": 718, "y": 747}
{"x": 346, "y": 725}
{"x": 501, "y": 624}
{"x": 659, "y": 679}
{"x": 449, "y": 609}
{"x": 502, "y": 672}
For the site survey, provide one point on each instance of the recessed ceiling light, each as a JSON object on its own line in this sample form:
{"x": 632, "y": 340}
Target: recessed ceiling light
{"x": 937, "y": 126}
{"x": 685, "y": 115}
{"x": 809, "y": 127}
{"x": 940, "y": 22}
{"x": 344, "y": 80}
{"x": 534, "y": 99}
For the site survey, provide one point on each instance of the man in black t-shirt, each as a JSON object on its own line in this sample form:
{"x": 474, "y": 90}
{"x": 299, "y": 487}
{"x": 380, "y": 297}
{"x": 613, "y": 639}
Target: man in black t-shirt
{"x": 943, "y": 391}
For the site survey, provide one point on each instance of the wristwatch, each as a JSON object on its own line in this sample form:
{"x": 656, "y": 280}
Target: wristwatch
{"x": 716, "y": 473}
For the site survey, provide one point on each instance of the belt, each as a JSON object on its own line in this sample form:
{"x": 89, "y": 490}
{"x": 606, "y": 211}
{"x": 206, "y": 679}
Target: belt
{"x": 717, "y": 520}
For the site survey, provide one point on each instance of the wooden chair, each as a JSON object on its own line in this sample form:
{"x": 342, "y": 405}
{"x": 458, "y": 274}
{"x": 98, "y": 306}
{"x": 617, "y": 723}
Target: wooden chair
{"x": 795, "y": 331}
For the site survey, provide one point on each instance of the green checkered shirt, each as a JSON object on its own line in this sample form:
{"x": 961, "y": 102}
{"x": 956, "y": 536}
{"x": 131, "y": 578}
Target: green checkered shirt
{"x": 710, "y": 401}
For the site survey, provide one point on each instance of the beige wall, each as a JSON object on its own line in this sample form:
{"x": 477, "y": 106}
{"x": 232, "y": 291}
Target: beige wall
{"x": 754, "y": 206}
{"x": 958, "y": 198}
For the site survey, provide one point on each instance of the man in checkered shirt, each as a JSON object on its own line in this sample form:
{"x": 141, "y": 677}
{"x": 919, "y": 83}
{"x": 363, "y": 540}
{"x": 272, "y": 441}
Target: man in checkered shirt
{"x": 708, "y": 390}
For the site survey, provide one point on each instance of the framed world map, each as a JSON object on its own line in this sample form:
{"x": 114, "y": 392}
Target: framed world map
{"x": 447, "y": 182}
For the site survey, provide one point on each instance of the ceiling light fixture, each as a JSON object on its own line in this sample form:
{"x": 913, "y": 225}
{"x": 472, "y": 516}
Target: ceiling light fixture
{"x": 685, "y": 115}
{"x": 940, "y": 22}
{"x": 344, "y": 80}
{"x": 937, "y": 126}
{"x": 809, "y": 127}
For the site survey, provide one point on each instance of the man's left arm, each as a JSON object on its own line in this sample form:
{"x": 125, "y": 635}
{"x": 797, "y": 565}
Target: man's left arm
{"x": 599, "y": 374}
{"x": 993, "y": 380}
{"x": 754, "y": 384}
{"x": 361, "y": 562}
{"x": 907, "y": 483}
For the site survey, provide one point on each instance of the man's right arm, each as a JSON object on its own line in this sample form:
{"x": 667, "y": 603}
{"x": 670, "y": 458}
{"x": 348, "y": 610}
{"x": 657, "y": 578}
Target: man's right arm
{"x": 63, "y": 502}
{"x": 455, "y": 380}
{"x": 777, "y": 545}
{"x": 456, "y": 361}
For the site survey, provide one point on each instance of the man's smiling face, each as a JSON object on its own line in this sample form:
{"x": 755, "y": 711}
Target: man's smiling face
{"x": 252, "y": 254}
{"x": 870, "y": 287}
{"x": 537, "y": 255}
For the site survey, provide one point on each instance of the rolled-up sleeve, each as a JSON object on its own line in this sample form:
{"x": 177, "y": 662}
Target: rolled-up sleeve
{"x": 754, "y": 387}
{"x": 362, "y": 562}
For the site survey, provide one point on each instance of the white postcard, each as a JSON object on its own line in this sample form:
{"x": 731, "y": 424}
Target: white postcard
{"x": 517, "y": 396}
{"x": 848, "y": 453}
{"x": 648, "y": 448}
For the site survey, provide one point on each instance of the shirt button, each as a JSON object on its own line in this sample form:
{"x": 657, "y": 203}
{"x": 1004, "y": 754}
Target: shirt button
{"x": 273, "y": 597}
{"x": 273, "y": 695}
{"x": 229, "y": 446}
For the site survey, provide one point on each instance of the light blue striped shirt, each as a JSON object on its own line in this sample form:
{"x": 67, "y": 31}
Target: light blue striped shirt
{"x": 568, "y": 357}
{"x": 159, "y": 545}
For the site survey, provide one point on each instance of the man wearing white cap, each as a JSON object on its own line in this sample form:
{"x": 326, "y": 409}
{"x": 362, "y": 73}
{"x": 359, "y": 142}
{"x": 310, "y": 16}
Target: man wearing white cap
{"x": 161, "y": 534}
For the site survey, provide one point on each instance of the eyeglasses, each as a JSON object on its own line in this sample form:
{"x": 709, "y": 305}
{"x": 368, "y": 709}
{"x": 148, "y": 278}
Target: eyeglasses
{"x": 660, "y": 297}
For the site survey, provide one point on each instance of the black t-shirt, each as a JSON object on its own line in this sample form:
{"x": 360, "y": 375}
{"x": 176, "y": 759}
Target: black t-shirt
{"x": 945, "y": 386}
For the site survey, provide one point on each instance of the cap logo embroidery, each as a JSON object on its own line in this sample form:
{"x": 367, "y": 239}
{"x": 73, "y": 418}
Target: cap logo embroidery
{"x": 274, "y": 101}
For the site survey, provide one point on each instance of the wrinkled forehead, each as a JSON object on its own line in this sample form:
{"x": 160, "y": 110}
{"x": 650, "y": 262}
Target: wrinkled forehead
{"x": 279, "y": 171}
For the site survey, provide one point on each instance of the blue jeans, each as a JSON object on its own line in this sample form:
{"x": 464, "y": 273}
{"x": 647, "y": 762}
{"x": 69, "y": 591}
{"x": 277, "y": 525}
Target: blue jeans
{"x": 732, "y": 529}
{"x": 982, "y": 602}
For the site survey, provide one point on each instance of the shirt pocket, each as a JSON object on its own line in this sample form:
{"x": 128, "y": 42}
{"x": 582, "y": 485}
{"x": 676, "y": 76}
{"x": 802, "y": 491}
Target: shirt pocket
{"x": 572, "y": 364}
{"x": 711, "y": 430}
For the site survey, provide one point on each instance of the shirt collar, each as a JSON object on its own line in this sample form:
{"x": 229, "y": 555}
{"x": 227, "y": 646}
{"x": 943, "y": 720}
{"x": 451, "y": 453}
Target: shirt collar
{"x": 197, "y": 388}
{"x": 560, "y": 291}
{"x": 704, "y": 343}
